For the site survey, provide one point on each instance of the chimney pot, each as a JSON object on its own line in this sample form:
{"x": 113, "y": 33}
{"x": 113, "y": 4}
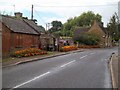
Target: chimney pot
{"x": 18, "y": 15}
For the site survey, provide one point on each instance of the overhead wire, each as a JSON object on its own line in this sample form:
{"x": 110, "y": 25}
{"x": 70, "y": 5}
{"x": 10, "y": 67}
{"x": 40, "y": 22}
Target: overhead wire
{"x": 52, "y": 6}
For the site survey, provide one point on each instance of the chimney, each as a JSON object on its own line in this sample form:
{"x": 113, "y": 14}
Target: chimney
{"x": 101, "y": 24}
{"x": 18, "y": 15}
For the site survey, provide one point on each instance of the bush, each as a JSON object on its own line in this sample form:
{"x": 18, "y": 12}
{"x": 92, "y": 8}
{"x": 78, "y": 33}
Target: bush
{"x": 29, "y": 52}
{"x": 68, "y": 48}
{"x": 87, "y": 39}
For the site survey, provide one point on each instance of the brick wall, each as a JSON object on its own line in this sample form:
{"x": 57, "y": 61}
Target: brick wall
{"x": 24, "y": 40}
{"x": 15, "y": 41}
{"x": 6, "y": 41}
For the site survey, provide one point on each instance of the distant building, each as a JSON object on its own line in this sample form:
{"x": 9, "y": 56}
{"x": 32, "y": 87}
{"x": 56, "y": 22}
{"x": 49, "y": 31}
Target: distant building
{"x": 98, "y": 29}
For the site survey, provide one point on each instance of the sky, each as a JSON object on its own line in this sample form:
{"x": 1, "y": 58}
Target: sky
{"x": 46, "y": 11}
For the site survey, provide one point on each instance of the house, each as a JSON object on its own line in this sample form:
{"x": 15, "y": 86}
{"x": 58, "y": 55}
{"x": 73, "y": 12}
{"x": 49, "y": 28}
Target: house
{"x": 97, "y": 29}
{"x": 18, "y": 33}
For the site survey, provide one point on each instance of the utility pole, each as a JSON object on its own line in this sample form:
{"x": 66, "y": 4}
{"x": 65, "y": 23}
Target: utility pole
{"x": 32, "y": 13}
{"x": 14, "y": 7}
{"x": 46, "y": 26}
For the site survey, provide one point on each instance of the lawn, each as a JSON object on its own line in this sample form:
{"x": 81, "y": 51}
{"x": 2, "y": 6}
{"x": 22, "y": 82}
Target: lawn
{"x": 12, "y": 60}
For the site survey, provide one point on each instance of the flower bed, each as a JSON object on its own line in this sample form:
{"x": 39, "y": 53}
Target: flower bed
{"x": 29, "y": 52}
{"x": 68, "y": 48}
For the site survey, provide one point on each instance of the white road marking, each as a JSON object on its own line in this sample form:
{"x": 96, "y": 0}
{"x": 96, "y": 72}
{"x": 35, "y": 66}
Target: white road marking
{"x": 104, "y": 59}
{"x": 31, "y": 80}
{"x": 37, "y": 77}
{"x": 83, "y": 56}
{"x": 92, "y": 53}
{"x": 68, "y": 63}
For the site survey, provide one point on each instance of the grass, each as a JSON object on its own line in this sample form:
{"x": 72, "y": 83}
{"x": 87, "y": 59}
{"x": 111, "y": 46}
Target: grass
{"x": 11, "y": 60}
{"x": 0, "y": 60}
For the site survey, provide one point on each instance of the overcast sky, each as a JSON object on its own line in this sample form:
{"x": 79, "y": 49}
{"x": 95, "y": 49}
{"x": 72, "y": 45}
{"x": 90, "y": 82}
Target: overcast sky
{"x": 46, "y": 11}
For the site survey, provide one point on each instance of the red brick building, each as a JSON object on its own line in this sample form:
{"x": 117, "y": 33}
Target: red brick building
{"x": 18, "y": 33}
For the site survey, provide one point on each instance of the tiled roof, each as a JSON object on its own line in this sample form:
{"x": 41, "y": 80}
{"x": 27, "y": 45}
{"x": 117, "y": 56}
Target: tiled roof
{"x": 18, "y": 25}
{"x": 103, "y": 28}
{"x": 33, "y": 25}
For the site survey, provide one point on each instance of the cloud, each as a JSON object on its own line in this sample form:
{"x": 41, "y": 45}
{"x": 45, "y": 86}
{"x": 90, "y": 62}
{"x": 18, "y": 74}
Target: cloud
{"x": 60, "y": 9}
{"x": 68, "y": 12}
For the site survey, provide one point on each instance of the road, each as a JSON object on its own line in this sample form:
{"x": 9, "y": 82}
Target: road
{"x": 87, "y": 69}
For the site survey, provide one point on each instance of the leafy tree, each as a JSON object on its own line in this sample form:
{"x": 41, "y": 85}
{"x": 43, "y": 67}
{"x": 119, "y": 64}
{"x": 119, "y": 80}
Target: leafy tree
{"x": 113, "y": 27}
{"x": 84, "y": 20}
{"x": 56, "y": 26}
{"x": 42, "y": 28}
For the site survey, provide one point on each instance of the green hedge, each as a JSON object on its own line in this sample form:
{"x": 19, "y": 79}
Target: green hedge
{"x": 87, "y": 39}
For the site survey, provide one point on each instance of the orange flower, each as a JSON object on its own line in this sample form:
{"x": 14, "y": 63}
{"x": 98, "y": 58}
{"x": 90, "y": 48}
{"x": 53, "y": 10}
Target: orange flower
{"x": 69, "y": 48}
{"x": 29, "y": 52}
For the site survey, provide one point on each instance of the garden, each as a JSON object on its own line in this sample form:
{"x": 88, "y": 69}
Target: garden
{"x": 29, "y": 52}
{"x": 68, "y": 48}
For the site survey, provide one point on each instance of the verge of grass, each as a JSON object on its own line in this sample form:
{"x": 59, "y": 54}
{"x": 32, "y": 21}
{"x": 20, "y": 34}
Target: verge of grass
{"x": 11, "y": 60}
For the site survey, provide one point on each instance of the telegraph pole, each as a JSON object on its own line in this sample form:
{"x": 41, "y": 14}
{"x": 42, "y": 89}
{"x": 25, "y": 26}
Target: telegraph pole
{"x": 14, "y": 7}
{"x": 46, "y": 26}
{"x": 32, "y": 13}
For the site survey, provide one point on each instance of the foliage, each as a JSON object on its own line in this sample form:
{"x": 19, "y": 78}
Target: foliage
{"x": 68, "y": 48}
{"x": 87, "y": 39}
{"x": 29, "y": 52}
{"x": 113, "y": 27}
{"x": 42, "y": 28}
{"x": 84, "y": 20}
{"x": 56, "y": 26}
{"x": 89, "y": 46}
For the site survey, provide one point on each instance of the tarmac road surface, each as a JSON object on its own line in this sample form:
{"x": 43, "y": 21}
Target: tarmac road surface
{"x": 88, "y": 69}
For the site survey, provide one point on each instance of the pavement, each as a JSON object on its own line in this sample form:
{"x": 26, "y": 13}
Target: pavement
{"x": 18, "y": 61}
{"x": 114, "y": 70}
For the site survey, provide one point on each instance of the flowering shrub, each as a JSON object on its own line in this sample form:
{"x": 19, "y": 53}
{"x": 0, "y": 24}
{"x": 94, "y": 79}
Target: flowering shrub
{"x": 29, "y": 52}
{"x": 68, "y": 48}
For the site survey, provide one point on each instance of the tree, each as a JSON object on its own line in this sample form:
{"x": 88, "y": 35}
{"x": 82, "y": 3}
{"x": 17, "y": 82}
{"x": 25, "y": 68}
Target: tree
{"x": 113, "y": 27}
{"x": 86, "y": 19}
{"x": 56, "y": 26}
{"x": 42, "y": 28}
